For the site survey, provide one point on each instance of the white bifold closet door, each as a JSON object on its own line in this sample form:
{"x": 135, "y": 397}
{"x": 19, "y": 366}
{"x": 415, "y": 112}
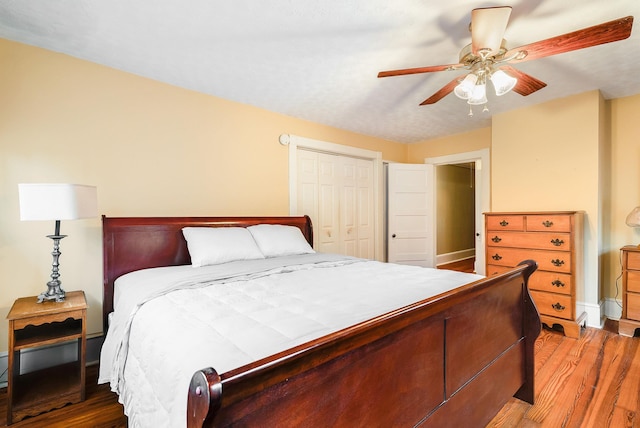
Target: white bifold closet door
{"x": 337, "y": 193}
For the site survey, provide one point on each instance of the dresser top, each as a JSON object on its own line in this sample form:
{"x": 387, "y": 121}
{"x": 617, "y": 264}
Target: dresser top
{"x": 532, "y": 212}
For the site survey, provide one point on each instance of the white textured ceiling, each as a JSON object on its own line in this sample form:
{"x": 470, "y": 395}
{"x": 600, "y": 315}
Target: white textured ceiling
{"x": 318, "y": 59}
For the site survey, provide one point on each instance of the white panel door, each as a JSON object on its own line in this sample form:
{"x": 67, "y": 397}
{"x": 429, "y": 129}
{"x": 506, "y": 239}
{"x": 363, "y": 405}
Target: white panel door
{"x": 328, "y": 228}
{"x": 411, "y": 211}
{"x": 365, "y": 219}
{"x": 348, "y": 206}
{"x": 337, "y": 192}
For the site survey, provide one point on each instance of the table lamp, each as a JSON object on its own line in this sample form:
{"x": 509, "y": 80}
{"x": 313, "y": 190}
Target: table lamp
{"x": 56, "y": 201}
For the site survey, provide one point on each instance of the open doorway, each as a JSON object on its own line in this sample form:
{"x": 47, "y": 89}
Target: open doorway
{"x": 455, "y": 211}
{"x": 481, "y": 173}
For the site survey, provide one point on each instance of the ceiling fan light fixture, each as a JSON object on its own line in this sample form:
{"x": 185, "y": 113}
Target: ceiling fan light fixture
{"x": 465, "y": 89}
{"x": 479, "y": 95}
{"x": 502, "y": 82}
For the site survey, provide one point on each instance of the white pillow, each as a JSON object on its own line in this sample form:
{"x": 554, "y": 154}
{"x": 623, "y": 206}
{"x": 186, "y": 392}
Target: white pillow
{"x": 215, "y": 245}
{"x": 279, "y": 240}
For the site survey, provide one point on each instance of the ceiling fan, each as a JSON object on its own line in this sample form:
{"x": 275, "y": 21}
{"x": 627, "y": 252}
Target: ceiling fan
{"x": 487, "y": 56}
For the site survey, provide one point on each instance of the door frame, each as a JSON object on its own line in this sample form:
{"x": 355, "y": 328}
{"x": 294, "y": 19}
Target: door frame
{"x": 482, "y": 160}
{"x": 296, "y": 142}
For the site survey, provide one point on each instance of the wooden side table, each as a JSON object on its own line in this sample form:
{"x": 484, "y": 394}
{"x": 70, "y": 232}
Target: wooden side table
{"x": 630, "y": 320}
{"x": 32, "y": 325}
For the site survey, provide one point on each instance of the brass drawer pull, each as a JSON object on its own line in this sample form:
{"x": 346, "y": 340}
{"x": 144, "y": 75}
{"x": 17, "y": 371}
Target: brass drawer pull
{"x": 558, "y": 307}
{"x": 557, "y": 242}
{"x": 504, "y": 223}
{"x": 557, "y": 283}
{"x": 547, "y": 223}
{"x": 496, "y": 239}
{"x": 557, "y": 262}
{"x": 496, "y": 257}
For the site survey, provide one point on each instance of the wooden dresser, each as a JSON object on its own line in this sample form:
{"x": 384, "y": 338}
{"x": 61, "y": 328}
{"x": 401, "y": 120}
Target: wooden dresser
{"x": 555, "y": 241}
{"x": 630, "y": 320}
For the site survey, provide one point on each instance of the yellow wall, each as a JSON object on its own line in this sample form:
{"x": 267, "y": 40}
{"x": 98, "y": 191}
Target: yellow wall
{"x": 459, "y": 143}
{"x": 150, "y": 148}
{"x": 625, "y": 186}
{"x": 546, "y": 158}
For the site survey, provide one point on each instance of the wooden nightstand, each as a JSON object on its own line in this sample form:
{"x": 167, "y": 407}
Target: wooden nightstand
{"x": 32, "y": 325}
{"x": 630, "y": 320}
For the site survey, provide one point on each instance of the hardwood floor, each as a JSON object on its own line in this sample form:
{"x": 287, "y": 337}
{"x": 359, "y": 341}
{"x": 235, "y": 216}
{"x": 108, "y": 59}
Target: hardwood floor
{"x": 100, "y": 410}
{"x": 589, "y": 382}
{"x": 466, "y": 265}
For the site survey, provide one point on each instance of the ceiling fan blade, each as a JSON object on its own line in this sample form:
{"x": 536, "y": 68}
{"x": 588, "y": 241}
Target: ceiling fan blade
{"x": 527, "y": 84}
{"x": 417, "y": 70}
{"x": 607, "y": 32}
{"x": 487, "y": 28}
{"x": 446, "y": 90}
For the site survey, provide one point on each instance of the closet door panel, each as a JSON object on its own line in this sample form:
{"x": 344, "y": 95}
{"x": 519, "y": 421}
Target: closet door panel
{"x": 365, "y": 209}
{"x": 328, "y": 205}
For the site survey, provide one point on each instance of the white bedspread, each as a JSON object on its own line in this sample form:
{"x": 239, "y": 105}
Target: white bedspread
{"x": 170, "y": 322}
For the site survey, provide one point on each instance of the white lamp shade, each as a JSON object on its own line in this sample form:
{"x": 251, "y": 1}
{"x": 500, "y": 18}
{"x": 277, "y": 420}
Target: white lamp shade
{"x": 53, "y": 201}
{"x": 633, "y": 219}
{"x": 465, "y": 89}
{"x": 479, "y": 95}
{"x": 502, "y": 82}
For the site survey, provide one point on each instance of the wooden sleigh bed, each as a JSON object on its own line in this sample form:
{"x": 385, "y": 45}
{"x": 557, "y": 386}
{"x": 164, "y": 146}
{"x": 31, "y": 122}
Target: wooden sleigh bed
{"x": 451, "y": 360}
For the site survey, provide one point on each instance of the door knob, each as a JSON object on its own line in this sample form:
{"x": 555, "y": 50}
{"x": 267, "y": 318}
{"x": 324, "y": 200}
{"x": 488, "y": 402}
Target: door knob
{"x": 393, "y": 236}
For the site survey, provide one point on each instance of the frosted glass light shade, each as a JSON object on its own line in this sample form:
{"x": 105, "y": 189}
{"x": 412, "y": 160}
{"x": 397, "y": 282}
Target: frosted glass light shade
{"x": 479, "y": 95}
{"x": 54, "y": 201}
{"x": 633, "y": 219}
{"x": 465, "y": 89}
{"x": 502, "y": 82}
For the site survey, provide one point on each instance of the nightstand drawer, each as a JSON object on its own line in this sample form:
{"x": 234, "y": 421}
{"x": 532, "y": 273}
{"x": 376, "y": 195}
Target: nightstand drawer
{"x": 551, "y": 282}
{"x": 633, "y": 281}
{"x": 633, "y": 260}
{"x": 540, "y": 241}
{"x": 505, "y": 222}
{"x": 633, "y": 306}
{"x": 548, "y": 223}
{"x": 49, "y": 318}
{"x": 555, "y": 305}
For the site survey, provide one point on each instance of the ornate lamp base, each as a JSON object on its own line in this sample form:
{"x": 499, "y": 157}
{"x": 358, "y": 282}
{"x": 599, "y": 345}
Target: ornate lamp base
{"x": 54, "y": 290}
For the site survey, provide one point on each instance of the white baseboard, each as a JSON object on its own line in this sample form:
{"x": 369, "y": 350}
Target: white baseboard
{"x": 613, "y": 308}
{"x": 48, "y": 356}
{"x": 595, "y": 315}
{"x": 442, "y": 259}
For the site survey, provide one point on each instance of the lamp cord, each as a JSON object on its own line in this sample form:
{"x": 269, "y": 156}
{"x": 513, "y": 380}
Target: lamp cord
{"x": 617, "y": 280}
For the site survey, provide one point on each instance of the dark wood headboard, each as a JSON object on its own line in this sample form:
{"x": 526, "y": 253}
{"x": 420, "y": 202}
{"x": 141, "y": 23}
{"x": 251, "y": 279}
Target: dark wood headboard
{"x": 134, "y": 243}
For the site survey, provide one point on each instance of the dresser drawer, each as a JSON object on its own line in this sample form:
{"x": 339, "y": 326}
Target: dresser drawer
{"x": 495, "y": 269}
{"x": 548, "y": 223}
{"x": 633, "y": 260}
{"x": 505, "y": 222}
{"x": 633, "y": 281}
{"x": 554, "y": 305}
{"x": 551, "y": 282}
{"x": 541, "y": 241}
{"x": 633, "y": 306}
{"x": 555, "y": 261}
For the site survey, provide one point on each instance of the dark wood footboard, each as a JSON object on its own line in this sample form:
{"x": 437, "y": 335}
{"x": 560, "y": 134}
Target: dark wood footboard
{"x": 452, "y": 360}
